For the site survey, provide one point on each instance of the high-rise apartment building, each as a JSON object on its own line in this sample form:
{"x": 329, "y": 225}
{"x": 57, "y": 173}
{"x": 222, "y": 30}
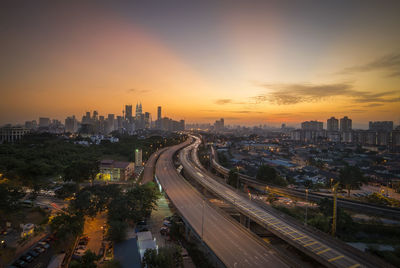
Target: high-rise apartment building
{"x": 345, "y": 124}
{"x": 71, "y": 124}
{"x": 381, "y": 126}
{"x": 312, "y": 125}
{"x": 332, "y": 124}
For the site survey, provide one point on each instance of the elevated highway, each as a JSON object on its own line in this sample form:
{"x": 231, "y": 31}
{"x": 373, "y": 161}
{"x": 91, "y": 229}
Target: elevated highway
{"x": 232, "y": 244}
{"x": 327, "y": 251}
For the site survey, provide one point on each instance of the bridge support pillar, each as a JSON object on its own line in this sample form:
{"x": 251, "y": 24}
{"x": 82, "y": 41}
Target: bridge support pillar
{"x": 243, "y": 220}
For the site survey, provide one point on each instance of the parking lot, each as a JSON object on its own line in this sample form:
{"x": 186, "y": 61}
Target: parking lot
{"x": 37, "y": 256}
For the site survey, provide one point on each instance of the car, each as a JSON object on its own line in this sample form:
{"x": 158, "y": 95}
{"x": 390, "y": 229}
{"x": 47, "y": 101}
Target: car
{"x": 167, "y": 223}
{"x": 20, "y": 263}
{"x": 164, "y": 230}
{"x": 44, "y": 244}
{"x": 39, "y": 249}
{"x": 33, "y": 253}
{"x": 27, "y": 258}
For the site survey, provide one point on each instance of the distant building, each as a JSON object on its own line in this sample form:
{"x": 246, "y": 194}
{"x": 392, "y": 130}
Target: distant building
{"x": 44, "y": 122}
{"x": 381, "y": 126}
{"x": 128, "y": 112}
{"x": 312, "y": 125}
{"x": 138, "y": 157}
{"x": 332, "y": 124}
{"x": 111, "y": 170}
{"x": 12, "y": 134}
{"x": 31, "y": 124}
{"x": 219, "y": 125}
{"x": 71, "y": 124}
{"x": 345, "y": 124}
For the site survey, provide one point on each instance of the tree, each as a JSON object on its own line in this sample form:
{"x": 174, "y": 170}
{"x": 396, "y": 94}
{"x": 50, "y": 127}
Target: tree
{"x": 233, "y": 177}
{"x": 351, "y": 177}
{"x": 67, "y": 224}
{"x": 88, "y": 260}
{"x": 268, "y": 174}
{"x": 81, "y": 170}
{"x": 9, "y": 197}
{"x": 166, "y": 257}
{"x": 117, "y": 230}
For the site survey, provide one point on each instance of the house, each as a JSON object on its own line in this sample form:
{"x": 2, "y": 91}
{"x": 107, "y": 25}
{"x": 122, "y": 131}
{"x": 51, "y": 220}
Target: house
{"x": 111, "y": 170}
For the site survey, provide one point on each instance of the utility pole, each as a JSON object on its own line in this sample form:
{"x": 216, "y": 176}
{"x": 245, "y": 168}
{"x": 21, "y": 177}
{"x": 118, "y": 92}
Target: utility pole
{"x": 237, "y": 180}
{"x": 202, "y": 222}
{"x": 334, "y": 191}
{"x": 305, "y": 220}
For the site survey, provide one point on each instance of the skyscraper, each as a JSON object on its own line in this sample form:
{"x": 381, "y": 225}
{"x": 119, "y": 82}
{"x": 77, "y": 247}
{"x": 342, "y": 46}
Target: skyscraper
{"x": 332, "y": 124}
{"x": 138, "y": 110}
{"x": 345, "y": 124}
{"x": 159, "y": 113}
{"x": 71, "y": 124}
{"x": 128, "y": 112}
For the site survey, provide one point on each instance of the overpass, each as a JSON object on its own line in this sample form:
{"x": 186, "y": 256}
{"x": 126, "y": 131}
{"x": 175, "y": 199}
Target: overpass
{"x": 327, "y": 251}
{"x": 358, "y": 206}
{"x": 229, "y": 241}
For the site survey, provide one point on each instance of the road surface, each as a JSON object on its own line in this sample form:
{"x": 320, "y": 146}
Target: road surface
{"x": 231, "y": 243}
{"x": 148, "y": 173}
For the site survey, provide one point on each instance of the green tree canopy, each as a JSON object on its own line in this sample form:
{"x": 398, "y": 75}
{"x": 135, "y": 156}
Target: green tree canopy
{"x": 268, "y": 174}
{"x": 166, "y": 257}
{"x": 351, "y": 178}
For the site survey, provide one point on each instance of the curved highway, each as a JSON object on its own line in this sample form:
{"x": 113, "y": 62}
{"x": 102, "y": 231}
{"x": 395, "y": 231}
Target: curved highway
{"x": 148, "y": 172}
{"x": 232, "y": 244}
{"x": 325, "y": 252}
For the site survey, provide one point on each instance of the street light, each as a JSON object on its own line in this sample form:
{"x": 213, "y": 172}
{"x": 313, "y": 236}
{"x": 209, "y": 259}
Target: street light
{"x": 334, "y": 191}
{"x": 237, "y": 180}
{"x": 305, "y": 219}
{"x": 202, "y": 221}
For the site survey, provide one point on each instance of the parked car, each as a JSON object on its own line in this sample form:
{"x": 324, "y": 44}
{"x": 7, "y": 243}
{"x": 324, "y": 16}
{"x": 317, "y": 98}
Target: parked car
{"x": 164, "y": 230}
{"x": 27, "y": 258}
{"x": 44, "y": 244}
{"x": 167, "y": 223}
{"x": 20, "y": 263}
{"x": 33, "y": 253}
{"x": 39, "y": 249}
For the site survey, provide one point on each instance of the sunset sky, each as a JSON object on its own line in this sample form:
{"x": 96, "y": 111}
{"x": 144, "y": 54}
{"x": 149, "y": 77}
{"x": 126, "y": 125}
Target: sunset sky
{"x": 251, "y": 62}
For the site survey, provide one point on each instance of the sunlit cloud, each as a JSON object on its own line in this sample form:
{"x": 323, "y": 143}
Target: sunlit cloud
{"x": 389, "y": 63}
{"x": 289, "y": 94}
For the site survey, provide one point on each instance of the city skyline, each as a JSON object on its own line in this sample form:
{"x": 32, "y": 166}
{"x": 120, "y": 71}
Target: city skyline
{"x": 251, "y": 63}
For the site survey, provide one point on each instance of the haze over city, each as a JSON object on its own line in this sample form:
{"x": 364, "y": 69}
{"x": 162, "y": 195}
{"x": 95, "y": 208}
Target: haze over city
{"x": 251, "y": 63}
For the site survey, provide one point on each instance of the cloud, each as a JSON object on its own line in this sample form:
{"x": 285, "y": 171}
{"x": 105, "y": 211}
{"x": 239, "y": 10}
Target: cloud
{"x": 289, "y": 94}
{"x": 223, "y": 101}
{"x": 286, "y": 94}
{"x": 134, "y": 90}
{"x": 374, "y": 105}
{"x": 389, "y": 63}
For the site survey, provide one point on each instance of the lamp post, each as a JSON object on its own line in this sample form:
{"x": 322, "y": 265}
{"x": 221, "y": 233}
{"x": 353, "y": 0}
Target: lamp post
{"x": 237, "y": 180}
{"x": 202, "y": 222}
{"x": 305, "y": 219}
{"x": 334, "y": 191}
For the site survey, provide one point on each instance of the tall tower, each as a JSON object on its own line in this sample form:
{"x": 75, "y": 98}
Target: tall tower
{"x": 159, "y": 113}
{"x": 128, "y": 111}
